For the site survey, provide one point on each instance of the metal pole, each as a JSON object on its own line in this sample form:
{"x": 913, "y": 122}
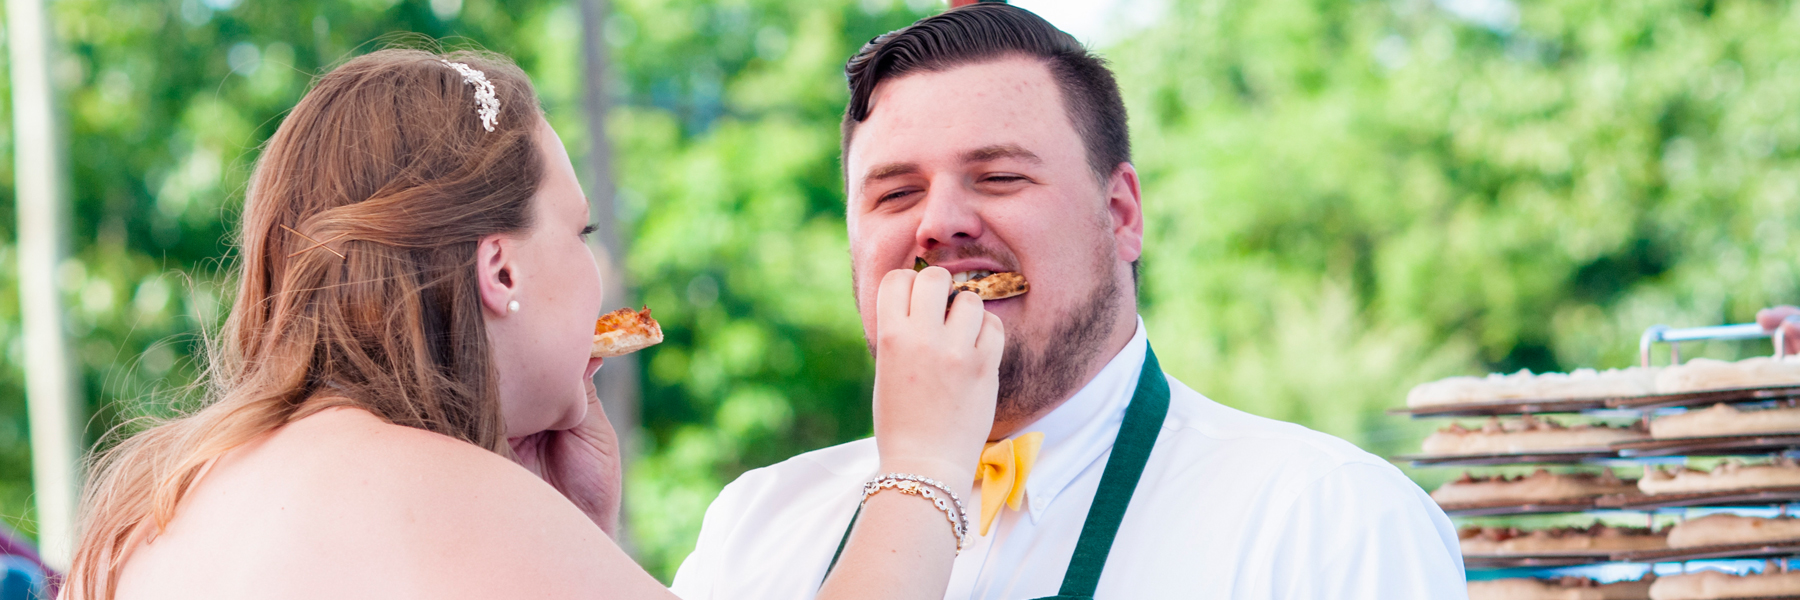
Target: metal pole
{"x": 52, "y": 390}
{"x": 618, "y": 379}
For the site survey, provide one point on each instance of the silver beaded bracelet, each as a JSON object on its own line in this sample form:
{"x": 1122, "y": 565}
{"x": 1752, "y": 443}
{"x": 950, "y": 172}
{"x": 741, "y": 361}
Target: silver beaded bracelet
{"x": 929, "y": 489}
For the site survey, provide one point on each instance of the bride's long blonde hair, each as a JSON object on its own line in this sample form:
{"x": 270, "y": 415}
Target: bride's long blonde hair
{"x": 387, "y": 161}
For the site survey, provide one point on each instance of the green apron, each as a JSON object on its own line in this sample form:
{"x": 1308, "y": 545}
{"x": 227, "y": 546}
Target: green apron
{"x": 1130, "y": 451}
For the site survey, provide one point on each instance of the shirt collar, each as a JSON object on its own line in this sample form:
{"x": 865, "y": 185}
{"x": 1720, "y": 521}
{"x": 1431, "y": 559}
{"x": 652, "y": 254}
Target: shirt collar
{"x": 1082, "y": 430}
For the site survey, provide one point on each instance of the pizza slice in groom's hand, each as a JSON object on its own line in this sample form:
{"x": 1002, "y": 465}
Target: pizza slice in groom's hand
{"x": 625, "y": 331}
{"x": 990, "y": 286}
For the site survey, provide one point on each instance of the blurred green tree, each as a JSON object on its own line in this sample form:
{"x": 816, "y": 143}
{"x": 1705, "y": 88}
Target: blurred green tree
{"x": 1347, "y": 198}
{"x": 166, "y": 104}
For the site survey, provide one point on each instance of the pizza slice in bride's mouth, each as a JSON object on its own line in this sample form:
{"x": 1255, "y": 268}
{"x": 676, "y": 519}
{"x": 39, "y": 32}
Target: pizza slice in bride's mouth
{"x": 986, "y": 284}
{"x": 625, "y": 331}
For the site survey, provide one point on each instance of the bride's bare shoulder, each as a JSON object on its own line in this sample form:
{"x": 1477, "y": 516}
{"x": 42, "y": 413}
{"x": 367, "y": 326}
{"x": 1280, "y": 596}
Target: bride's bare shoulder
{"x": 395, "y": 477}
{"x": 344, "y": 454}
{"x": 345, "y": 500}
{"x": 337, "y": 439}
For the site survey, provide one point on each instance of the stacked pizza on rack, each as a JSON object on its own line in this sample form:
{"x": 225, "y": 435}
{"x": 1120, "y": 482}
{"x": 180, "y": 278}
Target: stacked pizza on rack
{"x": 1772, "y": 582}
{"x": 1596, "y": 539}
{"x": 1721, "y": 420}
{"x": 1726, "y": 529}
{"x": 1705, "y": 374}
{"x": 1730, "y": 476}
{"x": 1695, "y": 376}
{"x": 1540, "y": 487}
{"x": 1528, "y": 434}
{"x": 1559, "y": 588}
{"x": 1556, "y": 440}
{"x": 1525, "y": 385}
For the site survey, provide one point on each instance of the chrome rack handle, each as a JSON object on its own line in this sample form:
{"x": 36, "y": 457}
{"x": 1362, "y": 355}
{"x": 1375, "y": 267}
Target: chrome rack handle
{"x": 1674, "y": 337}
{"x": 1650, "y": 338}
{"x": 1780, "y": 336}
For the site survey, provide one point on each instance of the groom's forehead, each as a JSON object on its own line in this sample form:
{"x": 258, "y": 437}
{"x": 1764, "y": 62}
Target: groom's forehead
{"x": 956, "y": 111}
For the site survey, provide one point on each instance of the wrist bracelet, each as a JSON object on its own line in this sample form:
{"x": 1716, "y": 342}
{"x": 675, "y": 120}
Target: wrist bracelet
{"x": 929, "y": 489}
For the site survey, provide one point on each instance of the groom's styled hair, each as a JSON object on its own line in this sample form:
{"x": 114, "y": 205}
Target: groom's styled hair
{"x": 990, "y": 31}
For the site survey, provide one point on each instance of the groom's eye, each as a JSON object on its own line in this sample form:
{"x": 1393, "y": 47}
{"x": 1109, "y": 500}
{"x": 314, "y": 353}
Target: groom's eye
{"x": 895, "y": 195}
{"x": 589, "y": 230}
{"x": 1002, "y": 182}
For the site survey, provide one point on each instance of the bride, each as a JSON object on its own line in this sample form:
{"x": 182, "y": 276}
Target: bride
{"x": 401, "y": 405}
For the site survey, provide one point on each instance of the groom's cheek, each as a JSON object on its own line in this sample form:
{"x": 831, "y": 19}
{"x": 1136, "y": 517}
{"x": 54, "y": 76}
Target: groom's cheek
{"x": 875, "y": 249}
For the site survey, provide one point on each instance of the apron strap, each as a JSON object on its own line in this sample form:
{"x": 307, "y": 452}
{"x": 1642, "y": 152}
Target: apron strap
{"x": 1130, "y": 451}
{"x": 841, "y": 542}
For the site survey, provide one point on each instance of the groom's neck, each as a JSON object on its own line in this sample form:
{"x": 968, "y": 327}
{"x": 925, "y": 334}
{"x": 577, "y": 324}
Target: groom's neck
{"x": 1124, "y": 327}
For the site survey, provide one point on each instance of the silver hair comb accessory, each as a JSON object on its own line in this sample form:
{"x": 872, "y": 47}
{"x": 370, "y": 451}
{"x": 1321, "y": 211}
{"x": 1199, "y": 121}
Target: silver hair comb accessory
{"x": 484, "y": 93}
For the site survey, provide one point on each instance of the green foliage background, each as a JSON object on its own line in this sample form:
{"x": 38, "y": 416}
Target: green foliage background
{"x": 1345, "y": 197}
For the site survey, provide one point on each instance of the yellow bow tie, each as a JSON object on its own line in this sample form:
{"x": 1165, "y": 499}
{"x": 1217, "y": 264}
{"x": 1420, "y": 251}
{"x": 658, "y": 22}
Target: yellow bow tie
{"x": 1004, "y": 466}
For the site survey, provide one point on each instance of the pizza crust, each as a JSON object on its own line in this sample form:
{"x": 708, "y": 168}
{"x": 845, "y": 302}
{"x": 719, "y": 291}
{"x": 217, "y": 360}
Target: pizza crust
{"x": 1728, "y": 529}
{"x": 1524, "y": 435}
{"x": 1594, "y": 539}
{"x": 1566, "y": 588}
{"x": 625, "y": 331}
{"x": 1540, "y": 486}
{"x": 1730, "y": 475}
{"x": 1725, "y": 419}
{"x": 1715, "y": 585}
{"x": 1703, "y": 374}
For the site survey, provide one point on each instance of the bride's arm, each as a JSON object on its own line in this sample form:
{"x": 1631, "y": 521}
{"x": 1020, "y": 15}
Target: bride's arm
{"x": 901, "y": 547}
{"x": 936, "y": 376}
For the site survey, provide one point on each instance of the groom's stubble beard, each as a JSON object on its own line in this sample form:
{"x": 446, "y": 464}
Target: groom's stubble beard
{"x": 1037, "y": 376}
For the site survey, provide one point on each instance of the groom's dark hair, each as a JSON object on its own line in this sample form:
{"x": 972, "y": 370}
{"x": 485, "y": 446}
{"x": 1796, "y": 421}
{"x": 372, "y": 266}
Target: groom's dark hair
{"x": 990, "y": 31}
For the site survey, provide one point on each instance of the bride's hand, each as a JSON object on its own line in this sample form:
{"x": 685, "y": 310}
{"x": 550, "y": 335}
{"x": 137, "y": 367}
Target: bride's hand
{"x": 582, "y": 462}
{"x": 936, "y": 376}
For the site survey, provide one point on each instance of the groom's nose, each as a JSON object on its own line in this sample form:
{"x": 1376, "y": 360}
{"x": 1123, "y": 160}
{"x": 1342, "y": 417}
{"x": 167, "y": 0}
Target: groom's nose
{"x": 950, "y": 218}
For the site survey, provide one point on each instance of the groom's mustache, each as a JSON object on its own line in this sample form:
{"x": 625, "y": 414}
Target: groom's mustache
{"x": 1008, "y": 261}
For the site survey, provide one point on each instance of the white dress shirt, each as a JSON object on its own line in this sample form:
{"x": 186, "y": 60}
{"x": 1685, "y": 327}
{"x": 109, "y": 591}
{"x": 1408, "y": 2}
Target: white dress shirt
{"x": 1230, "y": 505}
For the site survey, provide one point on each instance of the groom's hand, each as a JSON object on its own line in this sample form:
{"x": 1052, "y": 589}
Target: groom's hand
{"x": 582, "y": 462}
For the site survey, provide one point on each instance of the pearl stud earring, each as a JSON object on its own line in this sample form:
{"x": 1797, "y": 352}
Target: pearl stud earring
{"x": 512, "y": 307}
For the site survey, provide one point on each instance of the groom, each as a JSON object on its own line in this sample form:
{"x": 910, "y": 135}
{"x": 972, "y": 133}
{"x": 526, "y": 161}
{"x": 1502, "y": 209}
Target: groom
{"x": 984, "y": 139}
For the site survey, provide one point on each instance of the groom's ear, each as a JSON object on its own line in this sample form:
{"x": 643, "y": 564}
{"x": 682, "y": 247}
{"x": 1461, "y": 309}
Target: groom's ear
{"x": 1125, "y": 204}
{"x": 494, "y": 273}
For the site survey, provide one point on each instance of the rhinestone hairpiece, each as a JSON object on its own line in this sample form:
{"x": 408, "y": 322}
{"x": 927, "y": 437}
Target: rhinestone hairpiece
{"x": 484, "y": 93}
